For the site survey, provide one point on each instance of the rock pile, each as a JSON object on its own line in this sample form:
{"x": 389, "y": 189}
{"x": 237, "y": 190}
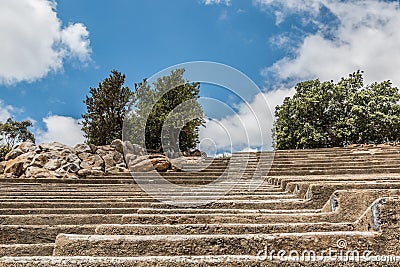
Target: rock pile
{"x": 28, "y": 160}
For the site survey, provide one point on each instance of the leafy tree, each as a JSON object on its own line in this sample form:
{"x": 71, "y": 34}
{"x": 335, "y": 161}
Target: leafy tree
{"x": 168, "y": 110}
{"x": 106, "y": 108}
{"x": 325, "y": 114}
{"x": 13, "y": 132}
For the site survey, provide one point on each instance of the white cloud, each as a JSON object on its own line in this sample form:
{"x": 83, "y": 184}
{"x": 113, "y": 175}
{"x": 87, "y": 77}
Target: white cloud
{"x": 366, "y": 38}
{"x": 75, "y": 37}
{"x": 248, "y": 129}
{"x": 6, "y": 111}
{"x": 65, "y": 130}
{"x": 217, "y": 2}
{"x": 34, "y": 42}
{"x": 284, "y": 8}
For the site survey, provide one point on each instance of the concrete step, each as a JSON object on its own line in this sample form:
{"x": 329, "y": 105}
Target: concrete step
{"x": 62, "y": 199}
{"x": 215, "y": 229}
{"x": 182, "y": 261}
{"x": 60, "y": 219}
{"x": 333, "y": 171}
{"x": 182, "y": 211}
{"x": 31, "y": 234}
{"x": 180, "y": 245}
{"x": 40, "y": 249}
{"x": 92, "y": 211}
{"x": 283, "y": 181}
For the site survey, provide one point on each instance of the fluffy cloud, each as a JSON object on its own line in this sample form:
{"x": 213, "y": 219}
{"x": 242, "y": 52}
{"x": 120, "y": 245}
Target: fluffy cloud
{"x": 217, "y": 2}
{"x": 34, "y": 42}
{"x": 65, "y": 130}
{"x": 249, "y": 129}
{"x": 365, "y": 37}
{"x": 6, "y": 111}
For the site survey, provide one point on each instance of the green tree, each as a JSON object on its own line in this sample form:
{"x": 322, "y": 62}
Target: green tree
{"x": 13, "y": 132}
{"x": 106, "y": 109}
{"x": 325, "y": 114}
{"x": 163, "y": 110}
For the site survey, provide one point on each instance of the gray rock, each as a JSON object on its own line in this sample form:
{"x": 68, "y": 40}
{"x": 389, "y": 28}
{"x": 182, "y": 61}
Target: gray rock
{"x": 91, "y": 161}
{"x": 53, "y": 164}
{"x": 53, "y": 146}
{"x": 71, "y": 167}
{"x": 13, "y": 154}
{"x": 118, "y": 145}
{"x": 15, "y": 167}
{"x": 2, "y": 166}
{"x": 72, "y": 158}
{"x": 134, "y": 149}
{"x": 39, "y": 160}
{"x": 150, "y": 162}
{"x": 27, "y": 146}
{"x": 130, "y": 157}
{"x": 83, "y": 148}
{"x": 35, "y": 172}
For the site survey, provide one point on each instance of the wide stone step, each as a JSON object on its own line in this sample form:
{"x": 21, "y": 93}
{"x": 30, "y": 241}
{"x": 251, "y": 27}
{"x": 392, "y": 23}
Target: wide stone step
{"x": 31, "y": 234}
{"x": 164, "y": 245}
{"x": 333, "y": 171}
{"x": 62, "y": 199}
{"x": 59, "y": 219}
{"x": 311, "y": 167}
{"x": 75, "y": 205}
{"x": 68, "y": 211}
{"x": 222, "y": 211}
{"x": 41, "y": 249}
{"x": 249, "y": 204}
{"x": 244, "y": 192}
{"x": 183, "y": 261}
{"x": 114, "y": 208}
{"x": 283, "y": 181}
{"x": 215, "y": 229}
{"x": 309, "y": 190}
{"x": 242, "y": 218}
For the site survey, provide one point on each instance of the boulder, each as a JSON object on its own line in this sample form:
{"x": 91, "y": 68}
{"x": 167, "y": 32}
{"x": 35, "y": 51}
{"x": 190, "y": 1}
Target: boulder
{"x": 105, "y": 148}
{"x": 15, "y": 167}
{"x": 130, "y": 157}
{"x": 27, "y": 147}
{"x": 91, "y": 161}
{"x": 196, "y": 153}
{"x": 39, "y": 160}
{"x": 150, "y": 162}
{"x": 116, "y": 169}
{"x": 161, "y": 164}
{"x": 93, "y": 148}
{"x": 71, "y": 167}
{"x": 142, "y": 166}
{"x": 108, "y": 161}
{"x": 54, "y": 146}
{"x": 2, "y": 166}
{"x": 72, "y": 158}
{"x": 35, "y": 172}
{"x": 53, "y": 164}
{"x": 60, "y": 173}
{"x": 13, "y": 154}
{"x": 134, "y": 149}
{"x": 82, "y": 148}
{"x": 112, "y": 158}
{"x": 118, "y": 145}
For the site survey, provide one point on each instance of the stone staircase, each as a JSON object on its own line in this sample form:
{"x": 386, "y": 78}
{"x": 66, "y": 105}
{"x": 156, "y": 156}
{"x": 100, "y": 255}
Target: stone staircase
{"x": 327, "y": 200}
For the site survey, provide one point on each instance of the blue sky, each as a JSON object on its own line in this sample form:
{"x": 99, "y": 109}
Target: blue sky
{"x": 52, "y": 52}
